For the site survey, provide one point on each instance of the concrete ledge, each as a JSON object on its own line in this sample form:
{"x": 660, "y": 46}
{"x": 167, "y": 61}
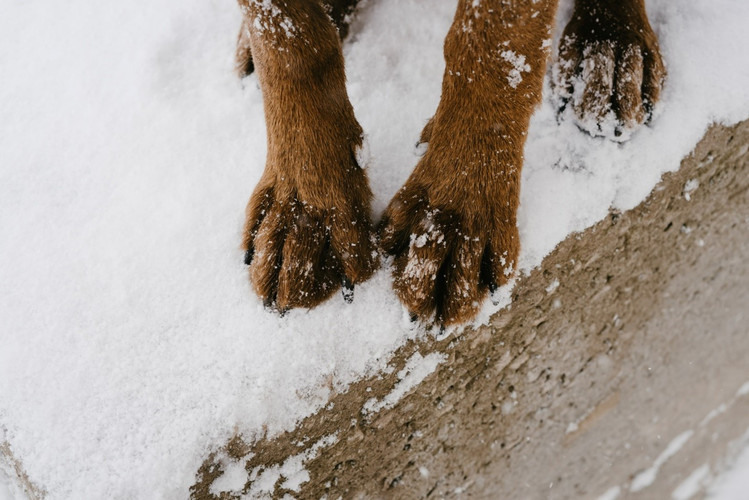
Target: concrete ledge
{"x": 616, "y": 370}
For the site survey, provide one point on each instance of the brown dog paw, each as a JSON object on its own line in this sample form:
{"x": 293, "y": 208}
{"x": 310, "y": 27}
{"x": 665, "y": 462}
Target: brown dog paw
{"x": 609, "y": 71}
{"x": 302, "y": 247}
{"x": 308, "y": 226}
{"x": 450, "y": 245}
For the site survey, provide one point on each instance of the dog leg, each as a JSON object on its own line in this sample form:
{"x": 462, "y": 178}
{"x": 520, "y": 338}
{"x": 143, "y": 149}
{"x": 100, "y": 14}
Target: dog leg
{"x": 339, "y": 12}
{"x": 609, "y": 69}
{"x": 452, "y": 226}
{"x": 308, "y": 227}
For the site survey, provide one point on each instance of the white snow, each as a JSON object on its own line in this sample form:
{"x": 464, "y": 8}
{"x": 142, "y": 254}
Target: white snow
{"x": 417, "y": 368}
{"x": 265, "y": 20}
{"x": 611, "y": 493}
{"x": 733, "y": 484}
{"x": 132, "y": 344}
{"x": 743, "y": 390}
{"x": 519, "y": 66}
{"x": 292, "y": 471}
{"x": 233, "y": 478}
{"x": 692, "y": 484}
{"x": 5, "y": 492}
{"x": 690, "y": 186}
{"x": 714, "y": 413}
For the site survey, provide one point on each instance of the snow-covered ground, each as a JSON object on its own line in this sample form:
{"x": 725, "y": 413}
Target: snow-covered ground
{"x": 733, "y": 484}
{"x": 131, "y": 344}
{"x": 5, "y": 492}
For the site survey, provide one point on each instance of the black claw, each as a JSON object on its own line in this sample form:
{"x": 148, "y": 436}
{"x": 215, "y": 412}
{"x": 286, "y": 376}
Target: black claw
{"x": 493, "y": 288}
{"x": 268, "y": 302}
{"x": 282, "y": 312}
{"x": 414, "y": 317}
{"x": 248, "y": 256}
{"x": 347, "y": 290}
{"x": 561, "y": 108}
{"x": 648, "y": 111}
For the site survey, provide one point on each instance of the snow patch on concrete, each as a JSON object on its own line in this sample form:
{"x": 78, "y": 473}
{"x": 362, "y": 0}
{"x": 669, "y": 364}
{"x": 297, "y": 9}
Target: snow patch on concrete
{"x": 646, "y": 477}
{"x": 233, "y": 478}
{"x": 689, "y": 187}
{"x": 743, "y": 390}
{"x": 264, "y": 479}
{"x": 723, "y": 407}
{"x": 417, "y": 368}
{"x": 611, "y": 493}
{"x": 714, "y": 413}
{"x": 693, "y": 484}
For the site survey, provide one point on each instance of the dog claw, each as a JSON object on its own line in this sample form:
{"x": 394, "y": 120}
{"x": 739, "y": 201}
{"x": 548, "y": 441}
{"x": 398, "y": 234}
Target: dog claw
{"x": 347, "y": 290}
{"x": 248, "y": 256}
{"x": 268, "y": 302}
{"x": 493, "y": 288}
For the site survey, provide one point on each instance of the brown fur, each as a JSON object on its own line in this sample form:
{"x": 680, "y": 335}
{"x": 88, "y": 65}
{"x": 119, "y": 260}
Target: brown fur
{"x": 339, "y": 12}
{"x": 452, "y": 226}
{"x": 308, "y": 223}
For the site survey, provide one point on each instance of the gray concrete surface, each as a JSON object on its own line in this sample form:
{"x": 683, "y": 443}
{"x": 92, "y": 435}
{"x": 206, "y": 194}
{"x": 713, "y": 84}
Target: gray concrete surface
{"x": 622, "y": 381}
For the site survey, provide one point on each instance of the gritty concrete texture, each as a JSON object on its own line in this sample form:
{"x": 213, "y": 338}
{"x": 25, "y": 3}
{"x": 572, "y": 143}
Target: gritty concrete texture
{"x": 622, "y": 381}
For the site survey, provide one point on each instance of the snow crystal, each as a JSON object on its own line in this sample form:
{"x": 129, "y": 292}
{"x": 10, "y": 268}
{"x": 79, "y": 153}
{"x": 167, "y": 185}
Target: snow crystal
{"x": 271, "y": 17}
{"x": 519, "y": 66}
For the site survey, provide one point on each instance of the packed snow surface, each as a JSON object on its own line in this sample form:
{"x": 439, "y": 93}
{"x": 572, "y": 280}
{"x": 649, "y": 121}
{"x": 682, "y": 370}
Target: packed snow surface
{"x": 733, "y": 483}
{"x": 131, "y": 344}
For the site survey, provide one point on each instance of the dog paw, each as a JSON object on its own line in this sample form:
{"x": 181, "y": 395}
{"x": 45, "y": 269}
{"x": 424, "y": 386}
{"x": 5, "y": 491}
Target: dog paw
{"x": 609, "y": 71}
{"x": 448, "y": 251}
{"x": 301, "y": 252}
